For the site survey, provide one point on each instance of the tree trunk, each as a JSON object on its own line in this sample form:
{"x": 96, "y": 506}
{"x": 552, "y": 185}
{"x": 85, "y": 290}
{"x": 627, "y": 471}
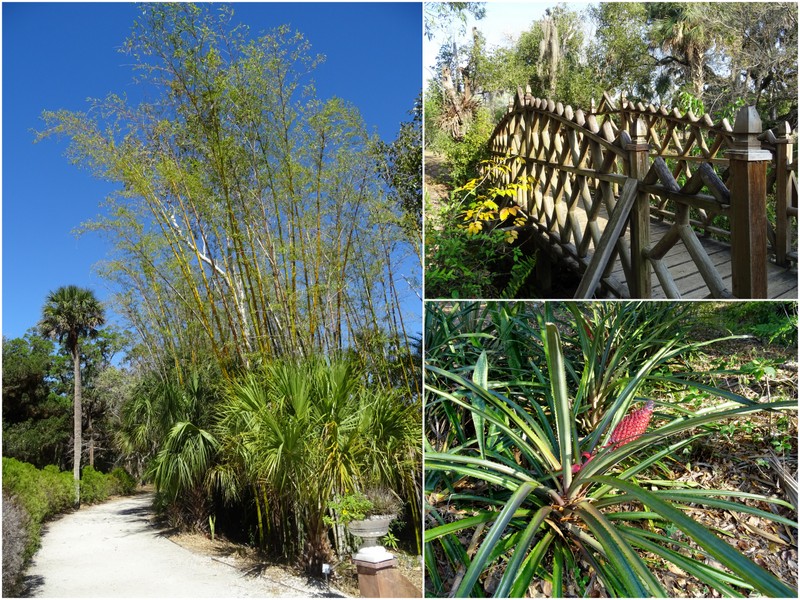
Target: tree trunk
{"x": 90, "y": 435}
{"x": 78, "y": 417}
{"x": 696, "y": 67}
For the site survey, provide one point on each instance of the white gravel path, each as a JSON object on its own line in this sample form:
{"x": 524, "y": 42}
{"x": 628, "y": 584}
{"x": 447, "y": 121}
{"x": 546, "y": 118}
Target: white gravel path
{"x": 112, "y": 550}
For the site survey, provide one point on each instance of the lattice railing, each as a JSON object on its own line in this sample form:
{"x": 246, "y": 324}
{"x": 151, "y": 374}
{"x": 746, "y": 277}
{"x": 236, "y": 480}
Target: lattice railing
{"x": 688, "y": 171}
{"x": 687, "y": 142}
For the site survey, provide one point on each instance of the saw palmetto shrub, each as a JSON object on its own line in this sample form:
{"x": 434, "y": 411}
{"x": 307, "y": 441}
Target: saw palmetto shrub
{"x": 523, "y": 488}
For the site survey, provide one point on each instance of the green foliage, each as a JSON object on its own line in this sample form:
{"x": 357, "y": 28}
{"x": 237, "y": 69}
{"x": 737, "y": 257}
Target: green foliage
{"x": 520, "y": 272}
{"x": 620, "y": 43}
{"x": 71, "y": 315}
{"x": 171, "y": 426}
{"x": 505, "y": 453}
{"x": 276, "y": 447}
{"x": 95, "y": 486}
{"x": 39, "y": 441}
{"x": 121, "y": 482}
{"x": 464, "y": 156}
{"x": 305, "y": 434}
{"x": 689, "y": 102}
{"x": 251, "y": 218}
{"x": 350, "y": 507}
{"x": 390, "y": 541}
{"x": 616, "y": 341}
{"x": 212, "y": 526}
{"x": 400, "y": 166}
{"x": 27, "y": 363}
{"x": 459, "y": 264}
{"x": 42, "y": 494}
{"x": 655, "y": 52}
{"x": 432, "y": 102}
{"x": 36, "y": 423}
{"x": 774, "y": 322}
{"x": 473, "y": 254}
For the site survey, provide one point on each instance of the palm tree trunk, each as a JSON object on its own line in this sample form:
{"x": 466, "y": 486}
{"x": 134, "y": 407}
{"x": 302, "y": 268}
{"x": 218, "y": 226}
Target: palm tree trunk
{"x": 77, "y": 433}
{"x": 90, "y": 435}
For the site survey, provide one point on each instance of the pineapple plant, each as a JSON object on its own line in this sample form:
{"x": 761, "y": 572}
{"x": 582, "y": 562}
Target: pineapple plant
{"x": 508, "y": 505}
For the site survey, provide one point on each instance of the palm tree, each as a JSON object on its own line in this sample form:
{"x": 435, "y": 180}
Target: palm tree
{"x": 682, "y": 29}
{"x": 70, "y": 314}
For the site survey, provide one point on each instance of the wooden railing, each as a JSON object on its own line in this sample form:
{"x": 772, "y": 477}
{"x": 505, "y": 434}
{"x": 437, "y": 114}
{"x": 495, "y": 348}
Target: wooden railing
{"x": 595, "y": 175}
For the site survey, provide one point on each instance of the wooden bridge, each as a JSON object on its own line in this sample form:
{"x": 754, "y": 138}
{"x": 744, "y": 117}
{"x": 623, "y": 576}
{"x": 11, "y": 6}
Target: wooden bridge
{"x": 643, "y": 202}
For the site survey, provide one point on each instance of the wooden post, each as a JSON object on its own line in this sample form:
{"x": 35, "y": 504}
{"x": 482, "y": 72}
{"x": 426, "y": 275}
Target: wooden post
{"x": 748, "y": 167}
{"x": 783, "y": 155}
{"x": 639, "y": 156}
{"x": 378, "y": 576}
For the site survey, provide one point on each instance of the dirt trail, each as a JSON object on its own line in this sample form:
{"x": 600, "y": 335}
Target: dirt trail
{"x": 115, "y": 550}
{"x": 437, "y": 179}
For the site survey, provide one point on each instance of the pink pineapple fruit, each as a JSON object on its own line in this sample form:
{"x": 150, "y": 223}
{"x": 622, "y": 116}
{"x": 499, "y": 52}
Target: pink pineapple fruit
{"x": 632, "y": 426}
{"x": 629, "y": 429}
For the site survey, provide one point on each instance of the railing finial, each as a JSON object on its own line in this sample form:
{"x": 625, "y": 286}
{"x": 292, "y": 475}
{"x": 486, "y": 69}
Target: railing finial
{"x": 746, "y": 129}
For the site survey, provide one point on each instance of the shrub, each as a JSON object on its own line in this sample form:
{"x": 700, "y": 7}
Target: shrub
{"x": 460, "y": 264}
{"x": 32, "y": 496}
{"x": 122, "y": 482}
{"x": 41, "y": 494}
{"x": 463, "y": 157}
{"x": 15, "y": 539}
{"x": 95, "y": 486}
{"x": 775, "y": 322}
{"x": 476, "y": 253}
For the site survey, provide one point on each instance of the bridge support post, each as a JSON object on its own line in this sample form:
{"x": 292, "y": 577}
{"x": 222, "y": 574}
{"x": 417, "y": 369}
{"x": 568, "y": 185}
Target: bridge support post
{"x": 748, "y": 212}
{"x": 640, "y": 213}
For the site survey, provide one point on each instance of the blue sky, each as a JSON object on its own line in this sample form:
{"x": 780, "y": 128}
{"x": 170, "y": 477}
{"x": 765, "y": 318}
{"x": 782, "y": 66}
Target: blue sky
{"x": 58, "y": 55}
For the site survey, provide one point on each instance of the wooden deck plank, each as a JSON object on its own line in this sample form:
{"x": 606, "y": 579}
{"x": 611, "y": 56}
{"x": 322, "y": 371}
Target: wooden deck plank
{"x": 783, "y": 283}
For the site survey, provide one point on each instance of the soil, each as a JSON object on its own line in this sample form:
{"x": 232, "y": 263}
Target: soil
{"x": 437, "y": 177}
{"x": 248, "y": 559}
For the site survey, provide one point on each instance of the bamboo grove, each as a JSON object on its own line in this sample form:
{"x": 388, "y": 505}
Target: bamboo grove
{"x": 249, "y": 208}
{"x": 251, "y": 228}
